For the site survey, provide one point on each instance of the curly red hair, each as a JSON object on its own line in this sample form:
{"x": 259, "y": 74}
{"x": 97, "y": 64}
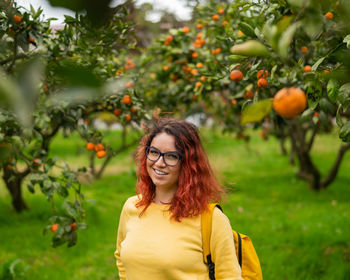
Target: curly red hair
{"x": 197, "y": 184}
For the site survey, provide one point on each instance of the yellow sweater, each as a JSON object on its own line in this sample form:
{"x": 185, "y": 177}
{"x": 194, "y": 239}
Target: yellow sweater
{"x": 155, "y": 247}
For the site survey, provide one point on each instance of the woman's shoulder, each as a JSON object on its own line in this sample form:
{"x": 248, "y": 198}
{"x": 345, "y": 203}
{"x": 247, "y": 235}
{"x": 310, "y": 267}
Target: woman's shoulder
{"x": 130, "y": 204}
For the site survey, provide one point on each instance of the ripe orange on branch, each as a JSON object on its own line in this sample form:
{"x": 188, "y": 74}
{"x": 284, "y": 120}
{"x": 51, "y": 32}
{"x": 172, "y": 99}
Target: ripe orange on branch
{"x": 90, "y": 146}
{"x": 215, "y": 17}
{"x": 186, "y": 29}
{"x": 307, "y": 68}
{"x": 17, "y": 19}
{"x": 304, "y": 49}
{"x": 73, "y": 226}
{"x": 262, "y": 83}
{"x": 54, "y": 227}
{"x": 329, "y": 15}
{"x": 262, "y": 74}
{"x": 101, "y": 154}
{"x": 117, "y": 112}
{"x": 126, "y": 99}
{"x": 99, "y": 147}
{"x": 289, "y": 102}
{"x": 236, "y": 75}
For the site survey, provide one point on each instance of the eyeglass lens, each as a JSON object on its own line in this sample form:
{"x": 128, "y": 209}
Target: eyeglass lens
{"x": 170, "y": 158}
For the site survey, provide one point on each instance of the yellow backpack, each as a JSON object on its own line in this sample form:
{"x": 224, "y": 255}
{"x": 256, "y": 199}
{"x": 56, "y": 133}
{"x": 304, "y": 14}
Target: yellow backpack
{"x": 246, "y": 255}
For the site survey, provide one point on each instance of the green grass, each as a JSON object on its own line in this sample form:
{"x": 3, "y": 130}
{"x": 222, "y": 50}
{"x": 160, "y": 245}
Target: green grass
{"x": 298, "y": 234}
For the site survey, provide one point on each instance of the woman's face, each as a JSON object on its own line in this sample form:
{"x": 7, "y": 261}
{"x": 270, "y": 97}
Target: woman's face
{"x": 163, "y": 175}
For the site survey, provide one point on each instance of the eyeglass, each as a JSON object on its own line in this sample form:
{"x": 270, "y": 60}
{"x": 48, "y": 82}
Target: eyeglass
{"x": 170, "y": 158}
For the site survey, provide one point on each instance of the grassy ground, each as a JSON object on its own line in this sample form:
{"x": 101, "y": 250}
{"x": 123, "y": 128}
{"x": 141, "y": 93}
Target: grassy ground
{"x": 298, "y": 234}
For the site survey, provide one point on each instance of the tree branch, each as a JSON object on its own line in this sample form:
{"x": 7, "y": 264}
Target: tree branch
{"x": 334, "y": 170}
{"x": 311, "y": 141}
{"x": 7, "y": 60}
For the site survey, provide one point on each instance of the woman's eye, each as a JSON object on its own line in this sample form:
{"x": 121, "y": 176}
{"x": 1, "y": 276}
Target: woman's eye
{"x": 172, "y": 156}
{"x": 154, "y": 152}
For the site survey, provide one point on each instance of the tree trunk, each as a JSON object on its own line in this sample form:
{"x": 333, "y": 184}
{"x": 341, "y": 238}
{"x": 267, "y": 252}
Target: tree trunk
{"x": 308, "y": 171}
{"x": 14, "y": 183}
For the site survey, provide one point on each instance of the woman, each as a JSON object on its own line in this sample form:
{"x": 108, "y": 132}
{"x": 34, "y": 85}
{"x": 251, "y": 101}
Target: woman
{"x": 159, "y": 234}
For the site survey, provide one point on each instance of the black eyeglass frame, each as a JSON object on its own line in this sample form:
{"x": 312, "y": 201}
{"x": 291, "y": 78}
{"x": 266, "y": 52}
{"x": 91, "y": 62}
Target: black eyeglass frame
{"x": 162, "y": 155}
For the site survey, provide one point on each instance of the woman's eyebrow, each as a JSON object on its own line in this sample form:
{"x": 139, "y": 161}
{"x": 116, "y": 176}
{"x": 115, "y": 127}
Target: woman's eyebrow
{"x": 176, "y": 152}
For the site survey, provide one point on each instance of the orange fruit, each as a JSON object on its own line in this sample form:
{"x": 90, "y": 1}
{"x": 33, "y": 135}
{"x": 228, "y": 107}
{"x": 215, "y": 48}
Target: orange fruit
{"x": 236, "y": 75}
{"x": 101, "y": 154}
{"x": 329, "y": 15}
{"x": 199, "y": 65}
{"x": 304, "y": 49}
{"x": 194, "y": 72}
{"x": 199, "y": 26}
{"x": 127, "y": 117}
{"x": 17, "y": 19}
{"x": 133, "y": 110}
{"x": 262, "y": 74}
{"x": 117, "y": 112}
{"x": 215, "y": 17}
{"x": 326, "y": 71}
{"x": 225, "y": 22}
{"x": 221, "y": 11}
{"x": 307, "y": 68}
{"x": 90, "y": 146}
{"x": 203, "y": 78}
{"x": 54, "y": 227}
{"x": 168, "y": 39}
{"x": 36, "y": 161}
{"x": 126, "y": 99}
{"x": 198, "y": 84}
{"x": 316, "y": 114}
{"x": 73, "y": 226}
{"x": 248, "y": 94}
{"x": 31, "y": 39}
{"x": 99, "y": 147}
{"x": 129, "y": 85}
{"x": 234, "y": 102}
{"x": 194, "y": 54}
{"x": 199, "y": 35}
{"x": 240, "y": 33}
{"x": 289, "y": 102}
{"x": 186, "y": 29}
{"x": 166, "y": 67}
{"x": 262, "y": 82}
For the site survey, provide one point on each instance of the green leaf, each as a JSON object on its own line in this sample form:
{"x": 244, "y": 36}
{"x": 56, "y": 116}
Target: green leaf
{"x": 338, "y": 117}
{"x": 70, "y": 209}
{"x": 333, "y": 90}
{"x": 317, "y": 63}
{"x": 326, "y": 106}
{"x": 256, "y": 112}
{"x": 286, "y": 39}
{"x": 347, "y": 41}
{"x": 235, "y": 58}
{"x": 306, "y": 115}
{"x": 344, "y": 133}
{"x": 250, "y": 48}
{"x": 344, "y": 95}
{"x": 246, "y": 29}
{"x": 313, "y": 93}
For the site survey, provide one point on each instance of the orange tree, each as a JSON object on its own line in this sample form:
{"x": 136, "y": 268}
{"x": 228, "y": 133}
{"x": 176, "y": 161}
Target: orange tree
{"x": 236, "y": 57}
{"x": 51, "y": 82}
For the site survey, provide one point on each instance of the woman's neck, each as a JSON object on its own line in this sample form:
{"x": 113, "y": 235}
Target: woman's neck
{"x": 164, "y": 196}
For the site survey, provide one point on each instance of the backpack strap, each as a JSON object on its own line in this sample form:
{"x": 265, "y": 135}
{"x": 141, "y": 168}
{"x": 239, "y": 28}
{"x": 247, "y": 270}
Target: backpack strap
{"x": 207, "y": 217}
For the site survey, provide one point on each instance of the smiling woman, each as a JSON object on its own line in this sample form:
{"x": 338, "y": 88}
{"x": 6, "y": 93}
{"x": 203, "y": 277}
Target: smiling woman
{"x": 159, "y": 234}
